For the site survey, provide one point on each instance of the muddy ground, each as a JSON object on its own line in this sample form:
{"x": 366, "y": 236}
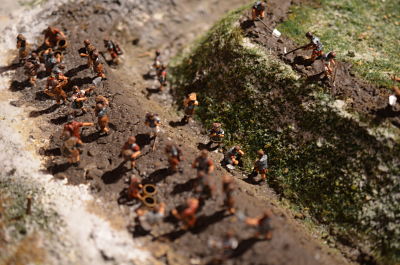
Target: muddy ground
{"x": 142, "y": 27}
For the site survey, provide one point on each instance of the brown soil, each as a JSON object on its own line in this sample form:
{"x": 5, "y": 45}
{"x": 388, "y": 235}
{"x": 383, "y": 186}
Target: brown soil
{"x": 130, "y": 98}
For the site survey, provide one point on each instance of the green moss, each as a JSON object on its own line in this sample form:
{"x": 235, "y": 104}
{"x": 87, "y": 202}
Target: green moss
{"x": 319, "y": 158}
{"x": 368, "y": 28}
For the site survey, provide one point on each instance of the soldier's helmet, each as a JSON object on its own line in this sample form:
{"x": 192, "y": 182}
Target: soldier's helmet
{"x": 158, "y": 53}
{"x": 86, "y": 42}
{"x": 260, "y": 153}
{"x": 20, "y": 37}
{"x": 131, "y": 139}
{"x": 216, "y": 125}
{"x": 309, "y": 35}
{"x": 332, "y": 54}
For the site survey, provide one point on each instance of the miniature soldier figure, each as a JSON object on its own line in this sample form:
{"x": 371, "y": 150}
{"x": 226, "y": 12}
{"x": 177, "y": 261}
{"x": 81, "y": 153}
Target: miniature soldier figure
{"x": 190, "y": 103}
{"x": 174, "y": 155}
{"x": 153, "y": 122}
{"x": 261, "y": 165}
{"x": 225, "y": 246}
{"x": 130, "y": 151}
{"x": 149, "y": 218}
{"x": 329, "y": 63}
{"x": 232, "y": 157}
{"x": 216, "y": 134}
{"x": 74, "y": 127}
{"x": 31, "y": 66}
{"x": 262, "y": 224}
{"x": 50, "y": 60}
{"x": 70, "y": 148}
{"x": 162, "y": 77}
{"x": 98, "y": 66}
{"x": 78, "y": 97}
{"x": 113, "y": 49}
{"x": 54, "y": 37}
{"x": 315, "y": 45}
{"x": 228, "y": 187}
{"x": 22, "y": 47}
{"x": 54, "y": 87}
{"x": 188, "y": 213}
{"x": 203, "y": 164}
{"x": 157, "y": 60}
{"x": 258, "y": 10}
{"x": 205, "y": 185}
{"x": 101, "y": 113}
{"x": 135, "y": 188}
{"x": 89, "y": 50}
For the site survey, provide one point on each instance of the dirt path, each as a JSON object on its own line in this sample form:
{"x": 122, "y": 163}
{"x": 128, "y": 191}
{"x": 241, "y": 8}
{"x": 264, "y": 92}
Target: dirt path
{"x": 159, "y": 25}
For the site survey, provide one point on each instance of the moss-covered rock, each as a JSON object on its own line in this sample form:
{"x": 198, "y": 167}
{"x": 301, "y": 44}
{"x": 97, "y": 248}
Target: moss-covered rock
{"x": 320, "y": 157}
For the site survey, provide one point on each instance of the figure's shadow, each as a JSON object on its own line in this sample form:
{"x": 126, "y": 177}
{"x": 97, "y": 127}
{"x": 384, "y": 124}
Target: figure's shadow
{"x": 59, "y": 120}
{"x": 93, "y": 137}
{"x": 74, "y": 71}
{"x": 205, "y": 221}
{"x": 151, "y": 91}
{"x": 184, "y": 187}
{"x": 148, "y": 76}
{"x": 51, "y": 152}
{"x": 19, "y": 86}
{"x": 157, "y": 176}
{"x": 175, "y": 124}
{"x": 58, "y": 168}
{"x": 80, "y": 81}
{"x": 143, "y": 139}
{"x": 243, "y": 247}
{"x": 114, "y": 175}
{"x": 10, "y": 67}
{"x": 37, "y": 113}
{"x": 208, "y": 147}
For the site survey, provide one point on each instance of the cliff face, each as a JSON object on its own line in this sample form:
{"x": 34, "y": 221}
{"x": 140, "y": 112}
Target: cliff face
{"x": 326, "y": 158}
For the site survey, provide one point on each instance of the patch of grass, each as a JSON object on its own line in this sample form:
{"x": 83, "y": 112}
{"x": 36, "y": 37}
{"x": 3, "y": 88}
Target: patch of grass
{"x": 319, "y": 159}
{"x": 368, "y": 28}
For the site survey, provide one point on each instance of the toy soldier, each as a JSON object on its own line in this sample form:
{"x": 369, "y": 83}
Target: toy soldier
{"x": 54, "y": 37}
{"x": 22, "y": 47}
{"x": 205, "y": 185}
{"x": 130, "y": 151}
{"x": 188, "y": 213}
{"x": 329, "y": 63}
{"x": 70, "y": 148}
{"x": 262, "y": 224}
{"x": 157, "y": 60}
{"x": 31, "y": 66}
{"x": 78, "y": 97}
{"x": 228, "y": 186}
{"x": 135, "y": 188}
{"x": 203, "y": 164}
{"x": 174, "y": 155}
{"x": 54, "y": 87}
{"x": 190, "y": 103}
{"x": 101, "y": 113}
{"x": 162, "y": 76}
{"x": 226, "y": 246}
{"x": 74, "y": 127}
{"x": 261, "y": 165}
{"x": 232, "y": 157}
{"x": 153, "y": 122}
{"x": 89, "y": 50}
{"x": 113, "y": 49}
{"x": 258, "y": 10}
{"x": 315, "y": 45}
{"x": 216, "y": 135}
{"x": 149, "y": 218}
{"x": 50, "y": 60}
{"x": 98, "y": 66}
